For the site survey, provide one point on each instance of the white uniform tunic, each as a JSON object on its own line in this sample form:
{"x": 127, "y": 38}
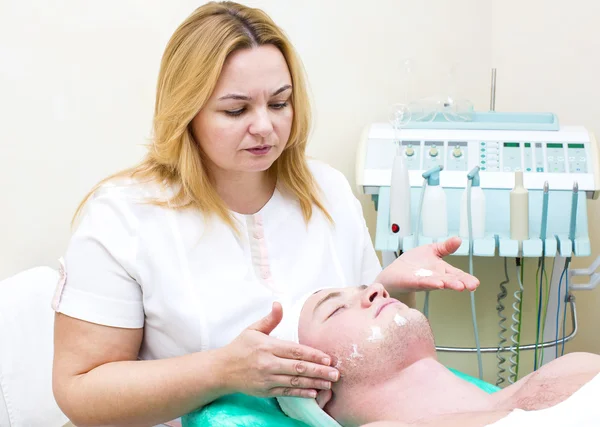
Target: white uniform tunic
{"x": 194, "y": 285}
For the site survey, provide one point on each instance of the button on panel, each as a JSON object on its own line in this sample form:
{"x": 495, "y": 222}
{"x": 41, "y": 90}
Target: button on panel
{"x": 433, "y": 154}
{"x": 555, "y": 156}
{"x": 577, "y": 158}
{"x": 490, "y": 156}
{"x": 511, "y": 156}
{"x": 458, "y": 156}
{"x": 412, "y": 153}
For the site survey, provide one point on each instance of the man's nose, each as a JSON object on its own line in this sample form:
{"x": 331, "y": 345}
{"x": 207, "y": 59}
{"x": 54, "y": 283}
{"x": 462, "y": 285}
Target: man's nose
{"x": 372, "y": 293}
{"x": 261, "y": 124}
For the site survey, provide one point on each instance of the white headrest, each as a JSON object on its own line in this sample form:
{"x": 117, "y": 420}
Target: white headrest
{"x": 26, "y": 339}
{"x": 302, "y": 409}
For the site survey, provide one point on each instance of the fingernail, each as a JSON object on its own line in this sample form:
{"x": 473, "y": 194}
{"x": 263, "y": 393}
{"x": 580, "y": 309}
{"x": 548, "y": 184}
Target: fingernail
{"x": 333, "y": 375}
{"x": 312, "y": 394}
{"x": 327, "y": 385}
{"x": 326, "y": 361}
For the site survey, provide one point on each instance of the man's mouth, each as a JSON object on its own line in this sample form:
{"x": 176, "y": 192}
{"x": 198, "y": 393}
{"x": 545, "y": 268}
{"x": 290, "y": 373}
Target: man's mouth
{"x": 382, "y": 306}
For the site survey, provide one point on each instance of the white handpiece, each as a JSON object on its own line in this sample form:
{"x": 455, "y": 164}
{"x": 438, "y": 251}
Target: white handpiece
{"x": 400, "y": 199}
{"x": 477, "y": 214}
{"x": 519, "y": 210}
{"x": 435, "y": 215}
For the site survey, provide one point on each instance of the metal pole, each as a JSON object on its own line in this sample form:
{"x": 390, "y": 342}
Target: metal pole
{"x": 547, "y": 346}
{"x": 493, "y": 91}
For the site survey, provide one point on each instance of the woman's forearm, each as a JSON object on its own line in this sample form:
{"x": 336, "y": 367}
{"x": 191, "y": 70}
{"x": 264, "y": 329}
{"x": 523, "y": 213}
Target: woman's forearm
{"x": 144, "y": 393}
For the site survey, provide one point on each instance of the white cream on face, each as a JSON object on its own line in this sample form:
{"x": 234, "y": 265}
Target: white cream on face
{"x": 421, "y": 272}
{"x": 400, "y": 320}
{"x": 355, "y": 354}
{"x": 338, "y": 364}
{"x": 376, "y": 334}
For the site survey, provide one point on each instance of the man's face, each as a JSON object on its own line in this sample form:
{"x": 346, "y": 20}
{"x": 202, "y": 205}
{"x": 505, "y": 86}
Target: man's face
{"x": 370, "y": 334}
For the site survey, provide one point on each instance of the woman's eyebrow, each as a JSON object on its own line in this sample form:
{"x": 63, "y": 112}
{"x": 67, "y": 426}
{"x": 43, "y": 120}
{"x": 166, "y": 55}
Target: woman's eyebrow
{"x": 240, "y": 97}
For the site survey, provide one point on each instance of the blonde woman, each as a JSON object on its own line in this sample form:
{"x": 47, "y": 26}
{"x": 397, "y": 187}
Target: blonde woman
{"x": 176, "y": 261}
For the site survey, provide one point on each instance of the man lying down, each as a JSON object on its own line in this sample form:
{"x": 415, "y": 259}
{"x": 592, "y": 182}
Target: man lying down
{"x": 390, "y": 375}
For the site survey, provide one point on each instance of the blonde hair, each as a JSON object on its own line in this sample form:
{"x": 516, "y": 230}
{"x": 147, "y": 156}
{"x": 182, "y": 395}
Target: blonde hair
{"x": 189, "y": 70}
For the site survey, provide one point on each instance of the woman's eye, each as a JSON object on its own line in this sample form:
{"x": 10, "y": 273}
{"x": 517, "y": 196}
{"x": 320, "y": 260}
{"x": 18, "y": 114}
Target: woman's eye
{"x": 279, "y": 106}
{"x": 235, "y": 113}
{"x": 336, "y": 311}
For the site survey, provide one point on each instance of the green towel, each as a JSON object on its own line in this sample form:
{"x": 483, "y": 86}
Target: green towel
{"x": 240, "y": 410}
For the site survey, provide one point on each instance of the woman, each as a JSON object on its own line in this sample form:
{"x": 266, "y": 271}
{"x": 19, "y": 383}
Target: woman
{"x": 175, "y": 260}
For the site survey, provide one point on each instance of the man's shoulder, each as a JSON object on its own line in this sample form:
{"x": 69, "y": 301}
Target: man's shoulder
{"x": 553, "y": 383}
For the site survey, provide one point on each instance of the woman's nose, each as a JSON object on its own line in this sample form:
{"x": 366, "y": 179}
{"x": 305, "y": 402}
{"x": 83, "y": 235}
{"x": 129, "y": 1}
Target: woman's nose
{"x": 261, "y": 124}
{"x": 372, "y": 293}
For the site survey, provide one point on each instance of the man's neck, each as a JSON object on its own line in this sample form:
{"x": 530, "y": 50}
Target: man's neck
{"x": 421, "y": 391}
{"x": 244, "y": 193}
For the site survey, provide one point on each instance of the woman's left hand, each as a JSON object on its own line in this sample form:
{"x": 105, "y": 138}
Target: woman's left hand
{"x": 423, "y": 269}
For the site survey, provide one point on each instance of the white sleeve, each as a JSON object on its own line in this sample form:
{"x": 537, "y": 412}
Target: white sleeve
{"x": 99, "y": 283}
{"x": 370, "y": 263}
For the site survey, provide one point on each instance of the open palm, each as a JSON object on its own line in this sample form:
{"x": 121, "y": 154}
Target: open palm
{"x": 404, "y": 273}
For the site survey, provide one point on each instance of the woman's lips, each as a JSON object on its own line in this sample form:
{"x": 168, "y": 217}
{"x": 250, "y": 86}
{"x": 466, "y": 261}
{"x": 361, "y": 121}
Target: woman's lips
{"x": 259, "y": 151}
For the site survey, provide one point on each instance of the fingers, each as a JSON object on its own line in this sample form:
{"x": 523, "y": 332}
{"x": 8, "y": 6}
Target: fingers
{"x": 447, "y": 247}
{"x": 302, "y": 352}
{"x": 471, "y": 282}
{"x": 296, "y": 381}
{"x": 293, "y": 392}
{"x": 323, "y": 398}
{"x": 308, "y": 369}
{"x": 270, "y": 321}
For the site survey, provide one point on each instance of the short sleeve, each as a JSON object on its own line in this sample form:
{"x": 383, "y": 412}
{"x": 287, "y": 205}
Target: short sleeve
{"x": 98, "y": 280}
{"x": 371, "y": 266}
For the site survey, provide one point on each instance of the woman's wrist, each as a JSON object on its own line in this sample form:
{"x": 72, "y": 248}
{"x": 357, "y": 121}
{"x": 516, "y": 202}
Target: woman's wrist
{"x": 215, "y": 367}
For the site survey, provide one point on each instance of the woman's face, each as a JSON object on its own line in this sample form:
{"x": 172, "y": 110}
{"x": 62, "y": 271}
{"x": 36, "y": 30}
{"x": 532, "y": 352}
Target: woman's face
{"x": 246, "y": 123}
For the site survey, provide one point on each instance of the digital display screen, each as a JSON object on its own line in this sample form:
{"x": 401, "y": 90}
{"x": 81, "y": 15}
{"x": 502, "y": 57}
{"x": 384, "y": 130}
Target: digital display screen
{"x": 527, "y": 145}
{"x": 511, "y": 145}
{"x": 576, "y": 146}
{"x": 554, "y": 146}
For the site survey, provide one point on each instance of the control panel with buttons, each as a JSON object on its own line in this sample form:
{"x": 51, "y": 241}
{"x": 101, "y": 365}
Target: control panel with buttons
{"x": 497, "y": 156}
{"x": 433, "y": 154}
{"x": 577, "y": 158}
{"x": 562, "y": 157}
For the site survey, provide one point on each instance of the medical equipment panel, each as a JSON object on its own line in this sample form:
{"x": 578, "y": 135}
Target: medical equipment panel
{"x": 559, "y": 158}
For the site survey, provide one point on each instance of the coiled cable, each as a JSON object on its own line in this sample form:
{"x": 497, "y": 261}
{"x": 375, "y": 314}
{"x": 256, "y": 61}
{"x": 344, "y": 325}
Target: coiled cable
{"x": 500, "y": 309}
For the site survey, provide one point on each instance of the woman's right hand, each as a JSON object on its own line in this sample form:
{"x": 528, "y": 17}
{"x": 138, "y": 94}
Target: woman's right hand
{"x": 261, "y": 365}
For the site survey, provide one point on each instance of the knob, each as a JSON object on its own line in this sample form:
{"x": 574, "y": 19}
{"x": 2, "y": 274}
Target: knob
{"x": 410, "y": 151}
{"x": 433, "y": 151}
{"x": 457, "y": 152}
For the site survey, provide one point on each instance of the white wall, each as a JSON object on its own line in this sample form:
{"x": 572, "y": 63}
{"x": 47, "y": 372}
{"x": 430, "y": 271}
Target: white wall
{"x": 77, "y": 81}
